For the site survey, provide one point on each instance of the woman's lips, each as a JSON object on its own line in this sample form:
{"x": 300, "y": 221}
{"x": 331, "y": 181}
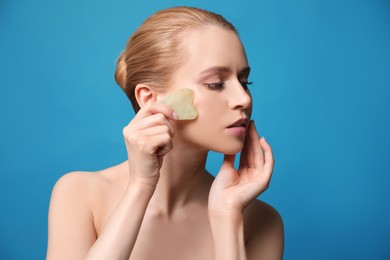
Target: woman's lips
{"x": 236, "y": 130}
{"x": 239, "y": 127}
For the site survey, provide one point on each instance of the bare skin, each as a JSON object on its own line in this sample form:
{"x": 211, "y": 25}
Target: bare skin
{"x": 161, "y": 203}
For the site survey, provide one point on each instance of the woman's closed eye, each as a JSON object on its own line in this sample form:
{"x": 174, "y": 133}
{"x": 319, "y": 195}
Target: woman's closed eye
{"x": 215, "y": 85}
{"x": 221, "y": 85}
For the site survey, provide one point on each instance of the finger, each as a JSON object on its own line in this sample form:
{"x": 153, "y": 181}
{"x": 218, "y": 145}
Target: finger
{"x": 162, "y": 151}
{"x": 155, "y": 120}
{"x": 246, "y": 150}
{"x": 157, "y": 130}
{"x": 228, "y": 160}
{"x": 269, "y": 157}
{"x": 227, "y": 174}
{"x": 258, "y": 154}
{"x": 161, "y": 143}
{"x": 154, "y": 108}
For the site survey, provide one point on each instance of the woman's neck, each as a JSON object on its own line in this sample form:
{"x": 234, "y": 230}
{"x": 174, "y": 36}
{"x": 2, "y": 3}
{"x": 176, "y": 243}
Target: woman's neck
{"x": 183, "y": 180}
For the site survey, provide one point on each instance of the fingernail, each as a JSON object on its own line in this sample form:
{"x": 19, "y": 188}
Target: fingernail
{"x": 175, "y": 115}
{"x": 263, "y": 139}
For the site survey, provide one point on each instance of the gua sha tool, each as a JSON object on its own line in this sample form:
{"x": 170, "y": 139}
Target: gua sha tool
{"x": 181, "y": 102}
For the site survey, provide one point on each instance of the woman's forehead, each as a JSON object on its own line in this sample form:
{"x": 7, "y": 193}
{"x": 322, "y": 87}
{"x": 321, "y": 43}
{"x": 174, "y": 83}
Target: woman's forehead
{"x": 214, "y": 46}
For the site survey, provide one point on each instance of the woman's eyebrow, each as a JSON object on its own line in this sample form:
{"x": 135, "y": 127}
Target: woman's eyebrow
{"x": 244, "y": 72}
{"x": 224, "y": 70}
{"x": 216, "y": 70}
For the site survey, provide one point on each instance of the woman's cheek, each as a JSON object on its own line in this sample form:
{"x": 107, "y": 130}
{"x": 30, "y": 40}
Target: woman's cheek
{"x": 208, "y": 114}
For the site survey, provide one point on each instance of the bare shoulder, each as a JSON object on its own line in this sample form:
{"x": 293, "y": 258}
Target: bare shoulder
{"x": 86, "y": 185}
{"x": 260, "y": 214}
{"x": 264, "y": 231}
{"x": 84, "y": 191}
{"x": 75, "y": 191}
{"x": 75, "y": 210}
{"x": 77, "y": 185}
{"x": 75, "y": 180}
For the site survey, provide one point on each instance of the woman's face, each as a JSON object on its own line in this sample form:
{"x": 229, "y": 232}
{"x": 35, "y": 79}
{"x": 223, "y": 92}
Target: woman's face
{"x": 216, "y": 69}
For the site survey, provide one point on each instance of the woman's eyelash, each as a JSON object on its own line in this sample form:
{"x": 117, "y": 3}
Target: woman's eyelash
{"x": 220, "y": 85}
{"x": 217, "y": 85}
{"x": 245, "y": 84}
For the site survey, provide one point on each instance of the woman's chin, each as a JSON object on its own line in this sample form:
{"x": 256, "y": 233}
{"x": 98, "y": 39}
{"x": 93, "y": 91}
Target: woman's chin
{"x": 229, "y": 149}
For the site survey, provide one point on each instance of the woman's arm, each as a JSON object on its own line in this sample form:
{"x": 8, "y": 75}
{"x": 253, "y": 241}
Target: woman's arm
{"x": 233, "y": 190}
{"x": 120, "y": 233}
{"x": 228, "y": 237}
{"x": 72, "y": 234}
{"x": 266, "y": 234}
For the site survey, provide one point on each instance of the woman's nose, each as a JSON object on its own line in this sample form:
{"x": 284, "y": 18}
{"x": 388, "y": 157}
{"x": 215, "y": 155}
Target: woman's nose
{"x": 240, "y": 97}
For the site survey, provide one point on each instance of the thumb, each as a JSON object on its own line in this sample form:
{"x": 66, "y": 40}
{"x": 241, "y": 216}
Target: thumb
{"x": 228, "y": 160}
{"x": 228, "y": 163}
{"x": 226, "y": 174}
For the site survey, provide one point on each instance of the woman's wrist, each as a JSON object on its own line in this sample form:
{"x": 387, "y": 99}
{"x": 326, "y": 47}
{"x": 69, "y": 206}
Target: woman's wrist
{"x": 228, "y": 235}
{"x": 140, "y": 190}
{"x": 230, "y": 221}
{"x": 226, "y": 215}
{"x": 145, "y": 183}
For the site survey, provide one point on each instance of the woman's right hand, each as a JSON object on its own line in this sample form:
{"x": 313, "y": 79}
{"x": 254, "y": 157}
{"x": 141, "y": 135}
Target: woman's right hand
{"x": 148, "y": 139}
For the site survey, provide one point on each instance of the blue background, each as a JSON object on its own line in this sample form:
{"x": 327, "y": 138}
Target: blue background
{"x": 321, "y": 96}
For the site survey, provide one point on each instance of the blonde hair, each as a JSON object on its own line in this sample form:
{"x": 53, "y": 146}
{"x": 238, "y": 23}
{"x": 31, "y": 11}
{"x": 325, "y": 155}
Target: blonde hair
{"x": 152, "y": 52}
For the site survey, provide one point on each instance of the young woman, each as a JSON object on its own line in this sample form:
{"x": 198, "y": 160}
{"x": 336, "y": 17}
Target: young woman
{"x": 162, "y": 203}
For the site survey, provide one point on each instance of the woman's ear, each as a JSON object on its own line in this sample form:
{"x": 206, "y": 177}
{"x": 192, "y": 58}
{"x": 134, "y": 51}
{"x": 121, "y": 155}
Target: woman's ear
{"x": 144, "y": 94}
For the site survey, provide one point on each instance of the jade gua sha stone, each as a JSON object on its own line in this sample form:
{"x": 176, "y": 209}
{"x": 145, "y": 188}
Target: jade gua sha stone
{"x": 181, "y": 102}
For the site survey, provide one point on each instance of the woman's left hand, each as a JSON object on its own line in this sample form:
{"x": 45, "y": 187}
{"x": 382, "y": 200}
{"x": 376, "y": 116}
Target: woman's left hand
{"x": 232, "y": 189}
